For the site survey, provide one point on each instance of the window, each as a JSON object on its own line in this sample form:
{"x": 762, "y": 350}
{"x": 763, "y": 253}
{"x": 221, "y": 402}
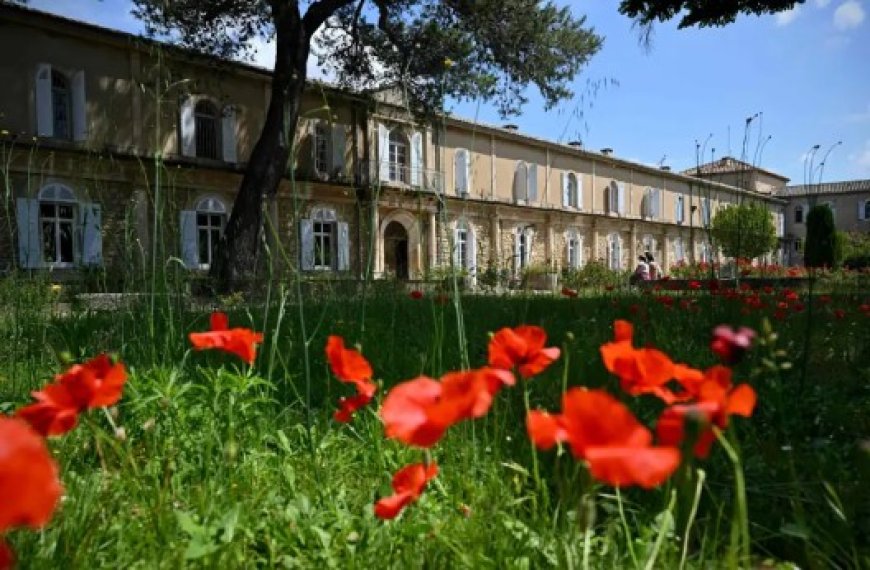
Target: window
{"x": 211, "y": 217}
{"x": 462, "y": 171}
{"x": 866, "y": 210}
{"x": 649, "y": 244}
{"x": 573, "y": 191}
{"x": 705, "y": 211}
{"x": 398, "y": 157}
{"x": 323, "y": 245}
{"x": 680, "y": 210}
{"x": 61, "y": 105}
{"x": 206, "y": 128}
{"x": 614, "y": 252}
{"x": 321, "y": 149}
{"x": 833, "y": 210}
{"x": 523, "y": 250}
{"x": 56, "y": 220}
{"x": 573, "y": 245}
{"x": 799, "y": 214}
{"x": 679, "y": 250}
{"x": 798, "y": 245}
{"x": 521, "y": 182}
{"x": 462, "y": 247}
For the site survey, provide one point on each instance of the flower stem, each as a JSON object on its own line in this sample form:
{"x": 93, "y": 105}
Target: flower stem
{"x": 698, "y": 487}
{"x": 628, "y": 541}
{"x": 740, "y": 522}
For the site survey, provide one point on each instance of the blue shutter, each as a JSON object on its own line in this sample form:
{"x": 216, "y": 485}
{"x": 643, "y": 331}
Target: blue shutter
{"x": 29, "y": 240}
{"x": 92, "y": 234}
{"x": 343, "y": 246}
{"x": 306, "y": 245}
{"x": 189, "y": 249}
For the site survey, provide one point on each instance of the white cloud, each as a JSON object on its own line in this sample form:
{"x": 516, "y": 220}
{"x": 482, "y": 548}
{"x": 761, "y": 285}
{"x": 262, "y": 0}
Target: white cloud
{"x": 822, "y": 3}
{"x": 861, "y": 159}
{"x": 860, "y": 116}
{"x": 787, "y": 17}
{"x": 848, "y": 15}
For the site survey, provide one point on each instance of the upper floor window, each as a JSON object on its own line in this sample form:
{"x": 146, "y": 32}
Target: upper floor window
{"x": 614, "y": 198}
{"x": 798, "y": 214}
{"x": 398, "y": 157}
{"x": 321, "y": 148}
{"x": 652, "y": 203}
{"x": 705, "y": 211}
{"x": 61, "y": 105}
{"x": 680, "y": 210}
{"x": 206, "y": 128}
{"x": 462, "y": 171}
{"x": 571, "y": 190}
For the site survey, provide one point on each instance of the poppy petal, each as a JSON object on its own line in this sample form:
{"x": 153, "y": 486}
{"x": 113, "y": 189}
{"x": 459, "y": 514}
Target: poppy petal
{"x": 405, "y": 412}
{"x": 741, "y": 401}
{"x": 647, "y": 467}
{"x": 544, "y": 429}
{"x": 348, "y": 365}
{"x": 219, "y": 321}
{"x": 389, "y": 508}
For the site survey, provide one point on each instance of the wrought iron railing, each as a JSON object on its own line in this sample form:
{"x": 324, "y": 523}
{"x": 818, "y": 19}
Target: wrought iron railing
{"x": 398, "y": 175}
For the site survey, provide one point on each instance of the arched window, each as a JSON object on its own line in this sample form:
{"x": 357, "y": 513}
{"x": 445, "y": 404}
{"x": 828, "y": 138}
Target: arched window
{"x": 61, "y": 105}
{"x": 798, "y": 214}
{"x": 463, "y": 243}
{"x": 523, "y": 247}
{"x": 398, "y": 157}
{"x": 211, "y": 217}
{"x": 521, "y": 182}
{"x": 614, "y": 252}
{"x": 206, "y": 118}
{"x": 57, "y": 219}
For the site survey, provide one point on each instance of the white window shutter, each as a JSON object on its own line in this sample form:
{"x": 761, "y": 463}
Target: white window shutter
{"x": 343, "y": 246}
{"x": 383, "y": 153}
{"x": 620, "y": 199}
{"x": 468, "y": 185}
{"x": 29, "y": 239}
{"x": 337, "y": 152}
{"x": 416, "y": 159}
{"x": 44, "y": 112}
{"x": 618, "y": 252}
{"x": 79, "y": 107}
{"x": 189, "y": 246}
{"x": 92, "y": 234}
{"x": 533, "y": 183}
{"x": 456, "y": 260}
{"x": 460, "y": 172}
{"x": 521, "y": 182}
{"x": 229, "y": 140}
{"x": 306, "y": 244}
{"x": 472, "y": 251}
{"x": 517, "y": 250}
{"x": 566, "y": 191}
{"x": 579, "y": 198}
{"x": 187, "y": 125}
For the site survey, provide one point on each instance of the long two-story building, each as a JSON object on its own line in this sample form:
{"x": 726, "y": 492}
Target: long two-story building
{"x": 117, "y": 150}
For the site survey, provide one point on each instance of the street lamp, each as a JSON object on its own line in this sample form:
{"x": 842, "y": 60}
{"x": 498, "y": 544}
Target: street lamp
{"x": 825, "y": 160}
{"x": 808, "y": 157}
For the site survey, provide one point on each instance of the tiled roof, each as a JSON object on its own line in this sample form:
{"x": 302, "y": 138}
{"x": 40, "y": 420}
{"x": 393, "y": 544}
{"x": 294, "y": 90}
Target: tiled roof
{"x": 843, "y": 187}
{"x": 728, "y": 164}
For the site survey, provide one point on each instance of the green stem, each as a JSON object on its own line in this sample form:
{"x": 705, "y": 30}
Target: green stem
{"x": 740, "y": 523}
{"x": 697, "y": 500}
{"x": 628, "y": 541}
{"x": 663, "y": 531}
{"x": 535, "y": 471}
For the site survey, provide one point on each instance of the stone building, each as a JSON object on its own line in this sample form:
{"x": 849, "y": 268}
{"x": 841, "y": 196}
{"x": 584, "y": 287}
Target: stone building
{"x": 117, "y": 150}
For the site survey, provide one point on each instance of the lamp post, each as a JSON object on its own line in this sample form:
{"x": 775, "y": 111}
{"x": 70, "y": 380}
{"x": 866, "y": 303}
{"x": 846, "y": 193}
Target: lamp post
{"x": 808, "y": 158}
{"x": 825, "y": 160}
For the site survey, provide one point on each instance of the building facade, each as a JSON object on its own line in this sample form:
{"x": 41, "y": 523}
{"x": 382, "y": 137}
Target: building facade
{"x": 117, "y": 150}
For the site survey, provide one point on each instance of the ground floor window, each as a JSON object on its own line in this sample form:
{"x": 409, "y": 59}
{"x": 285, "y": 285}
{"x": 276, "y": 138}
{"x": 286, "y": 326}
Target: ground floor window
{"x": 462, "y": 247}
{"x": 211, "y": 218}
{"x": 574, "y": 251}
{"x": 324, "y": 240}
{"x": 56, "y": 220}
{"x": 614, "y": 253}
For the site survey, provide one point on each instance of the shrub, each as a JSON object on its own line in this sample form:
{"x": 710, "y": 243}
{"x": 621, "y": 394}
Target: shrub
{"x": 821, "y": 244}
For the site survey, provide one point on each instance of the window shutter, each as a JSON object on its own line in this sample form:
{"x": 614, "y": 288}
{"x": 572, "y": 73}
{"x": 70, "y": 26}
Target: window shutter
{"x": 416, "y": 159}
{"x": 79, "y": 107}
{"x": 521, "y": 182}
{"x": 566, "y": 191}
{"x": 460, "y": 172}
{"x": 29, "y": 240}
{"x": 44, "y": 114}
{"x": 343, "y": 246}
{"x": 517, "y": 251}
{"x": 187, "y": 127}
{"x": 620, "y": 199}
{"x": 456, "y": 260}
{"x": 472, "y": 251}
{"x": 861, "y": 210}
{"x": 228, "y": 134}
{"x": 579, "y": 203}
{"x": 306, "y": 245}
{"x": 618, "y": 259}
{"x": 533, "y": 183}
{"x": 92, "y": 234}
{"x": 189, "y": 249}
{"x": 467, "y": 172}
{"x": 337, "y": 155}
{"x": 383, "y": 153}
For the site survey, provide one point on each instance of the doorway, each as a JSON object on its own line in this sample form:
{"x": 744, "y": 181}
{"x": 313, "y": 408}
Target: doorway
{"x": 396, "y": 250}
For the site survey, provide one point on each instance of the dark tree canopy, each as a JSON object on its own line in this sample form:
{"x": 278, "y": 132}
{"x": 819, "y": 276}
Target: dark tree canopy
{"x": 821, "y": 248}
{"x": 702, "y": 13}
{"x": 744, "y": 231}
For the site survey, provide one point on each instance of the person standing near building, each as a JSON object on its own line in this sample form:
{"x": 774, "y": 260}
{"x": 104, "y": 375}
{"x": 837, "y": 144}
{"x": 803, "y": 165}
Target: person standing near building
{"x": 641, "y": 272}
{"x": 655, "y": 270}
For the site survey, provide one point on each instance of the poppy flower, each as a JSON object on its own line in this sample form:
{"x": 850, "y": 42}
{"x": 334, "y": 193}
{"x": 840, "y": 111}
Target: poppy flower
{"x": 568, "y": 292}
{"x": 419, "y": 411}
{"x": 7, "y": 558}
{"x": 790, "y": 295}
{"x": 408, "y": 484}
{"x": 241, "y": 342}
{"x": 522, "y": 347}
{"x": 602, "y": 431}
{"x": 717, "y": 401}
{"x": 416, "y": 294}
{"x": 839, "y": 314}
{"x": 29, "y": 485}
{"x": 350, "y": 367}
{"x": 95, "y": 384}
{"x": 694, "y": 285}
{"x": 730, "y": 345}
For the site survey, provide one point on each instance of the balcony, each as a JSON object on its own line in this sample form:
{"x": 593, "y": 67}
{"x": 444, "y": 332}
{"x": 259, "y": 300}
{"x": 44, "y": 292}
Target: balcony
{"x": 373, "y": 172}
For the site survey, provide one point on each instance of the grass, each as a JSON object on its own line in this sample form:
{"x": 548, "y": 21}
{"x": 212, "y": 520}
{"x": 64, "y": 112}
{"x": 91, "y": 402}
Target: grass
{"x": 223, "y": 466}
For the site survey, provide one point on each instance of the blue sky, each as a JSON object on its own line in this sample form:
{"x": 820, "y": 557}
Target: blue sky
{"x": 804, "y": 71}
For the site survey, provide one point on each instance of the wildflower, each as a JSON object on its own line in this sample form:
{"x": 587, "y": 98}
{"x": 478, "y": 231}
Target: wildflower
{"x": 416, "y": 294}
{"x": 29, "y": 486}
{"x": 729, "y": 344}
{"x": 350, "y": 367}
{"x": 713, "y": 285}
{"x": 694, "y": 285}
{"x": 717, "y": 401}
{"x": 603, "y": 432}
{"x": 95, "y": 384}
{"x": 522, "y": 347}
{"x": 241, "y": 342}
{"x": 419, "y": 411}
{"x": 408, "y": 484}
{"x": 768, "y": 290}
{"x": 790, "y": 295}
{"x": 568, "y": 292}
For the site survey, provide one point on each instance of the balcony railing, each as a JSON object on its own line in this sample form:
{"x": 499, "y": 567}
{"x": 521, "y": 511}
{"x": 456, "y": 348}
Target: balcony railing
{"x": 396, "y": 175}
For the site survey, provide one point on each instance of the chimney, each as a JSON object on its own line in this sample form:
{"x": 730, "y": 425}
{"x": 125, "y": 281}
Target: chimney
{"x": 666, "y": 168}
{"x": 576, "y": 144}
{"x": 511, "y": 127}
{"x": 607, "y": 151}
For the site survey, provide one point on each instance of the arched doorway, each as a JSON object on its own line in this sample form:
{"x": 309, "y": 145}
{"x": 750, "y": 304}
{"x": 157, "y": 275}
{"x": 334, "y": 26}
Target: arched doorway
{"x": 396, "y": 250}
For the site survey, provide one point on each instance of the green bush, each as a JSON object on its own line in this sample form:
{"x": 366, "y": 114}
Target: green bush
{"x": 821, "y": 247}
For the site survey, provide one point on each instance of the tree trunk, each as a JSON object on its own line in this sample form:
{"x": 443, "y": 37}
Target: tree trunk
{"x": 239, "y": 253}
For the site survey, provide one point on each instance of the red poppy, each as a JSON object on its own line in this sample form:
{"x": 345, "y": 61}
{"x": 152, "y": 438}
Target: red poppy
{"x": 729, "y": 344}
{"x": 839, "y": 313}
{"x": 95, "y": 384}
{"x": 408, "y": 484}
{"x": 713, "y": 285}
{"x": 522, "y": 347}
{"x": 768, "y": 290}
{"x": 350, "y": 367}
{"x": 416, "y": 294}
{"x": 603, "y": 432}
{"x": 790, "y": 295}
{"x": 419, "y": 411}
{"x": 29, "y": 486}
{"x": 694, "y": 285}
{"x": 780, "y": 315}
{"x": 568, "y": 292}
{"x": 239, "y": 341}
{"x": 7, "y": 558}
{"x": 717, "y": 401}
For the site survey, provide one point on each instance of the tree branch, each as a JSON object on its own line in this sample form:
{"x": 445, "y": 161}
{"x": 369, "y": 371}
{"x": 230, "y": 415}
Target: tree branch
{"x": 319, "y": 12}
